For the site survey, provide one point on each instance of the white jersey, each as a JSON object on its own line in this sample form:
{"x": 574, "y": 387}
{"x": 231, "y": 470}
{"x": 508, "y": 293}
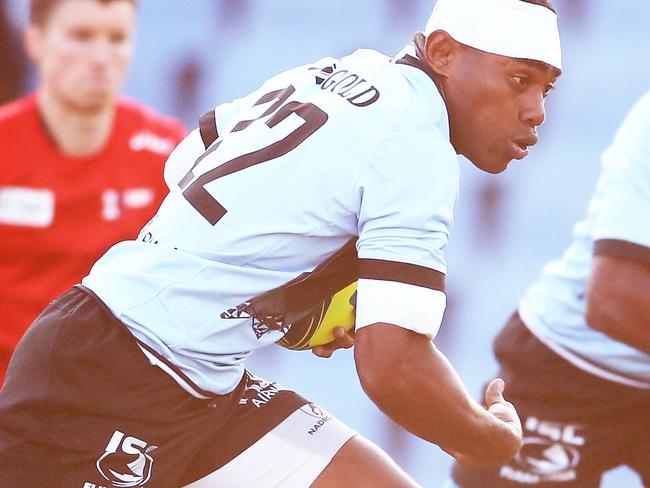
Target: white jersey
{"x": 320, "y": 154}
{"x": 618, "y": 223}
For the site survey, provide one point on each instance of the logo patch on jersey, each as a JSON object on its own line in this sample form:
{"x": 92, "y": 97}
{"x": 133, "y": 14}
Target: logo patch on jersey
{"x": 301, "y": 304}
{"x": 111, "y": 205}
{"x": 261, "y": 324}
{"x": 152, "y": 142}
{"x": 29, "y": 207}
{"x": 126, "y": 462}
{"x": 114, "y": 201}
{"x": 266, "y": 326}
{"x": 138, "y": 197}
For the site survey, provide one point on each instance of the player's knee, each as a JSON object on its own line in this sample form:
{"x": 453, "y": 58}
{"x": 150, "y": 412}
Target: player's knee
{"x": 360, "y": 463}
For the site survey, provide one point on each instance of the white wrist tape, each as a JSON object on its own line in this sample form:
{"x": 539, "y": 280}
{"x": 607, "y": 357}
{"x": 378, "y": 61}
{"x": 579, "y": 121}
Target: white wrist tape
{"x": 510, "y": 28}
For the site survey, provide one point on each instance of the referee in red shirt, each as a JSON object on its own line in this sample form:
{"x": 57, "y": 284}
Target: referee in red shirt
{"x": 81, "y": 168}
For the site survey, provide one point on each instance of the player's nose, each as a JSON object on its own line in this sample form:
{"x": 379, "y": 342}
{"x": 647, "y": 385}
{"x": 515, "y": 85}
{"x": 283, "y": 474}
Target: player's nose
{"x": 533, "y": 112}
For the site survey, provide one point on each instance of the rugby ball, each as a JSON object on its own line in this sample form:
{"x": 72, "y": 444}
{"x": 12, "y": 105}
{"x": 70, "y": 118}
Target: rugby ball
{"x": 317, "y": 327}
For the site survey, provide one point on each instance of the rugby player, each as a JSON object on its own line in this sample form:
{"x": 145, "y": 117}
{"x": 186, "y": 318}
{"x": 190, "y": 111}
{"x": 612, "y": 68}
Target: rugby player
{"x": 138, "y": 378}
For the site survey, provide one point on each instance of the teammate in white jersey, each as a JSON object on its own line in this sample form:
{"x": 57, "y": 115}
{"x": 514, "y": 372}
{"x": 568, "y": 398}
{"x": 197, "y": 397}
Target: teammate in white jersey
{"x": 577, "y": 354}
{"x": 138, "y": 377}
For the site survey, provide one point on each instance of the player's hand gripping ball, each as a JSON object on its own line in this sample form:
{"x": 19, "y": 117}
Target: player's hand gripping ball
{"x": 316, "y": 329}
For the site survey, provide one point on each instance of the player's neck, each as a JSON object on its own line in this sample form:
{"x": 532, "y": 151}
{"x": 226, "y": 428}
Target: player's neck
{"x": 78, "y": 133}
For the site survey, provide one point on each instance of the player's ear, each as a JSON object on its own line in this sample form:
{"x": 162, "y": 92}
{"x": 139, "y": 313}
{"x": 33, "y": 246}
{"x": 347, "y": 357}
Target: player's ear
{"x": 440, "y": 50}
{"x": 33, "y": 41}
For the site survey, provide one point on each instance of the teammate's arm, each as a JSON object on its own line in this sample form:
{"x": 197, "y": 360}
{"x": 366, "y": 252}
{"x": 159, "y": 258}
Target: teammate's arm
{"x": 618, "y": 300}
{"x": 415, "y": 385}
{"x": 618, "y": 289}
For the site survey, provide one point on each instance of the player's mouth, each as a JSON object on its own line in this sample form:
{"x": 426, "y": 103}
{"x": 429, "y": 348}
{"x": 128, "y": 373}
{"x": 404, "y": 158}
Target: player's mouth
{"x": 520, "y": 146}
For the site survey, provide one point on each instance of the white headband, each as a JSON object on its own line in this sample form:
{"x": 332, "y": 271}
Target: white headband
{"x": 512, "y": 28}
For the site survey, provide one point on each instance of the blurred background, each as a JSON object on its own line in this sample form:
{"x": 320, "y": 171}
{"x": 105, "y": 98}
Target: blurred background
{"x": 193, "y": 54}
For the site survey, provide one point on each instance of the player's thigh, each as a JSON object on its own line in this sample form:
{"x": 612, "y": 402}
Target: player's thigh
{"x": 291, "y": 454}
{"x": 282, "y": 459}
{"x": 276, "y": 439}
{"x": 360, "y": 463}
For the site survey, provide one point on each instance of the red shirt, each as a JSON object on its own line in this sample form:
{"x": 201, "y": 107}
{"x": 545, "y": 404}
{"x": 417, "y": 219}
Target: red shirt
{"x": 59, "y": 214}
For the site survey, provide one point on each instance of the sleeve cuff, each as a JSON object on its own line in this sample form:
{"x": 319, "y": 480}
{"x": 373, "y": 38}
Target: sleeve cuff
{"x": 622, "y": 249}
{"x": 411, "y": 307}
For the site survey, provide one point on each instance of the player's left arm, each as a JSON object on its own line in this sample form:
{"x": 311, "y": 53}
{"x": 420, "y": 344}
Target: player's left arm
{"x": 618, "y": 297}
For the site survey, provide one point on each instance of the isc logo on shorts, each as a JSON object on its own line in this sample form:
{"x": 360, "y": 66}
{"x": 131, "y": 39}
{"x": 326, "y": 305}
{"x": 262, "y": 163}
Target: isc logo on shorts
{"x": 126, "y": 462}
{"x": 550, "y": 453}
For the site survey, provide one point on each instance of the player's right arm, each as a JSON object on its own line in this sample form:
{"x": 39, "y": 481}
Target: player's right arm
{"x": 413, "y": 383}
{"x": 407, "y": 196}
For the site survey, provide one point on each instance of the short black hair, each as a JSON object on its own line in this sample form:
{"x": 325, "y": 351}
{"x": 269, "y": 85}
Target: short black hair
{"x": 40, "y": 10}
{"x": 543, "y": 3}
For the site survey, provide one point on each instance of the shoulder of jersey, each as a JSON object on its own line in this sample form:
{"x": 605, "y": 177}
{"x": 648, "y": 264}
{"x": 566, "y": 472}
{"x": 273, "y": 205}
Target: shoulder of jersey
{"x": 355, "y": 78}
{"x": 142, "y": 117}
{"x": 381, "y": 72}
{"x": 406, "y": 88}
{"x": 633, "y": 135}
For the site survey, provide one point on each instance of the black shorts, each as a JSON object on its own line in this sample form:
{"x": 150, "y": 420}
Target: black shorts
{"x": 82, "y": 407}
{"x": 576, "y": 425}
